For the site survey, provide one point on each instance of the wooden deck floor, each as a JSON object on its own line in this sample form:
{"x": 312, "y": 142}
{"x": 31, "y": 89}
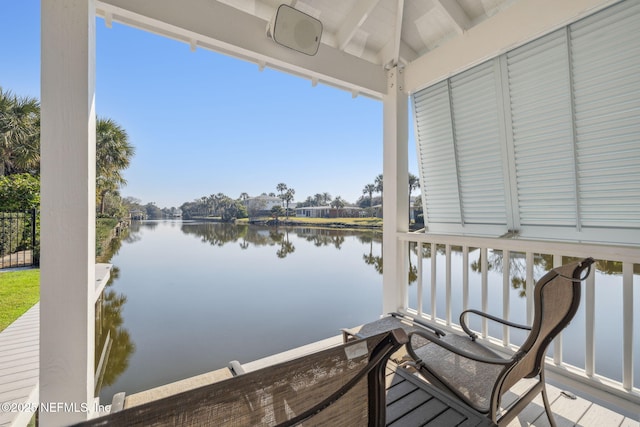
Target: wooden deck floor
{"x": 19, "y": 356}
{"x": 567, "y": 412}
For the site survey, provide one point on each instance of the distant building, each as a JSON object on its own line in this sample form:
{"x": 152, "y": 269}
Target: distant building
{"x": 136, "y": 214}
{"x": 329, "y": 212}
{"x": 261, "y": 205}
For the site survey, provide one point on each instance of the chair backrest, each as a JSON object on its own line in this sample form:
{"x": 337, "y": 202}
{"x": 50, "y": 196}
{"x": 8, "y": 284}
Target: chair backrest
{"x": 339, "y": 386}
{"x": 556, "y": 300}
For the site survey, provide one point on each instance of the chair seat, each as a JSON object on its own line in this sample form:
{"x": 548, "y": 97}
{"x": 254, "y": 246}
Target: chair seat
{"x": 472, "y": 379}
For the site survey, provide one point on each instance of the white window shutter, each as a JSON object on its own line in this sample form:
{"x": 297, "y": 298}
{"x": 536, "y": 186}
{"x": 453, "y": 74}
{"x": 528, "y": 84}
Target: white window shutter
{"x": 541, "y": 115}
{"x": 434, "y": 132}
{"x": 545, "y": 137}
{"x": 606, "y": 66}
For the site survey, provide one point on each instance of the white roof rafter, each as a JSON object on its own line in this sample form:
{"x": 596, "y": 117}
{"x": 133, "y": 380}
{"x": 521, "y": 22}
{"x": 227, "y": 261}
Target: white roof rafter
{"x": 353, "y": 21}
{"x": 455, "y": 13}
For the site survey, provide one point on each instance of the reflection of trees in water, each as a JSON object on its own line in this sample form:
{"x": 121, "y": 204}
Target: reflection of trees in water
{"x": 282, "y": 239}
{"x": 324, "y": 238}
{"x": 377, "y": 261}
{"x": 109, "y": 324}
{"x": 220, "y": 234}
{"x": 216, "y": 234}
{"x": 542, "y": 263}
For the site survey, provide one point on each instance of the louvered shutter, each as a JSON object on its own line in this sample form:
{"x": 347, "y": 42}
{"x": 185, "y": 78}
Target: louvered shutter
{"x": 478, "y": 144}
{"x": 606, "y": 66}
{"x": 545, "y": 137}
{"x": 436, "y": 155}
{"x": 541, "y": 115}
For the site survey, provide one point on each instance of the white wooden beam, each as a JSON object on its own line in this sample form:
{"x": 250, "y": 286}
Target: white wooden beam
{"x": 395, "y": 194}
{"x": 397, "y": 33}
{"x": 354, "y": 19}
{"x": 405, "y": 53}
{"x": 68, "y": 159}
{"x": 520, "y": 23}
{"x": 452, "y": 10}
{"x": 216, "y": 26}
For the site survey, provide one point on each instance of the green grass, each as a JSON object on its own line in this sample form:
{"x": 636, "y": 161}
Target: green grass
{"x": 104, "y": 228}
{"x": 19, "y": 291}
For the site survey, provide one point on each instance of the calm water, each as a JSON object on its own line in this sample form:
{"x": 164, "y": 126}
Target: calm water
{"x": 188, "y": 297}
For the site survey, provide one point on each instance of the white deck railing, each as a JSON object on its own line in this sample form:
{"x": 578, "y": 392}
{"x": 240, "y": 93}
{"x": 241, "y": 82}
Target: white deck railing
{"x": 453, "y": 273}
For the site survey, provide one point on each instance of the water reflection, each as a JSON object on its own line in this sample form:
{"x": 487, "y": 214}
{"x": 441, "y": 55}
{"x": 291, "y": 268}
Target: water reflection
{"x": 113, "y": 342}
{"x": 188, "y": 297}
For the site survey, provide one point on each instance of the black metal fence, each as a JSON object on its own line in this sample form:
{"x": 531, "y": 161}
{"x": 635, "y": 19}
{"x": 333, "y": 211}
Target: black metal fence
{"x": 19, "y": 245}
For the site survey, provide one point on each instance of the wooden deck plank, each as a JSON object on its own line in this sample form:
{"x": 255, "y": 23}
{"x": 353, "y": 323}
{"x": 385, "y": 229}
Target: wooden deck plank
{"x": 597, "y": 416}
{"x": 26, "y": 363}
{"x": 19, "y": 366}
{"x": 413, "y": 402}
{"x": 628, "y": 422}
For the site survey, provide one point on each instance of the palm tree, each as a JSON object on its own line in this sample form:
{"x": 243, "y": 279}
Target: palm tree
{"x": 113, "y": 155}
{"x": 282, "y": 187}
{"x": 19, "y": 133}
{"x": 338, "y": 204}
{"x": 287, "y": 198}
{"x": 326, "y": 198}
{"x": 369, "y": 189}
{"x": 414, "y": 183}
{"x": 378, "y": 183}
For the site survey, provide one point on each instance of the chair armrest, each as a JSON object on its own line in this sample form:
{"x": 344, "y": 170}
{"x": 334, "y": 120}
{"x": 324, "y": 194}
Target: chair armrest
{"x": 473, "y": 335}
{"x": 437, "y": 331}
{"x": 436, "y": 340}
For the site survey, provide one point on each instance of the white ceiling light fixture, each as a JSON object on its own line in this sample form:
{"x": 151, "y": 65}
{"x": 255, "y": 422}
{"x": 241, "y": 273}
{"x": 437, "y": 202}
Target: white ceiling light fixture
{"x": 295, "y": 30}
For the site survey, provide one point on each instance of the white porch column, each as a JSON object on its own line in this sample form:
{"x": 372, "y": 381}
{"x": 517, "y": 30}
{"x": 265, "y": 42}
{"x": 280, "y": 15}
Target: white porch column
{"x": 395, "y": 195}
{"x": 67, "y": 210}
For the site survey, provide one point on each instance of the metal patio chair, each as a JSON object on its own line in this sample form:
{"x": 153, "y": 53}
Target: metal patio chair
{"x": 479, "y": 376}
{"x": 339, "y": 386}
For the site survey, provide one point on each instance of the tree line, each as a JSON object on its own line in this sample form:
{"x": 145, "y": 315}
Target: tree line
{"x": 20, "y": 157}
{"x": 228, "y": 209}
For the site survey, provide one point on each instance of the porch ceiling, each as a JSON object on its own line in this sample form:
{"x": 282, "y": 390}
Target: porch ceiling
{"x": 360, "y": 39}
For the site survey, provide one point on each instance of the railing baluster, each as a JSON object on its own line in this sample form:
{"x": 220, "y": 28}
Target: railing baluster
{"x": 506, "y": 265}
{"x": 557, "y": 342}
{"x": 433, "y": 282}
{"x": 627, "y": 325}
{"x": 419, "y": 290}
{"x": 485, "y": 288}
{"x": 448, "y": 284}
{"x": 530, "y": 260}
{"x": 465, "y": 277}
{"x": 590, "y": 322}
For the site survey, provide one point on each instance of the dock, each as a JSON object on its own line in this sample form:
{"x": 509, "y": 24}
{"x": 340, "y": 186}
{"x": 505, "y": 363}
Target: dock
{"x": 19, "y": 367}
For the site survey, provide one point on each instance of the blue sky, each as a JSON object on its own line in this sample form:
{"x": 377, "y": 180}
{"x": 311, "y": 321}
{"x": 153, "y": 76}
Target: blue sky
{"x": 203, "y": 123}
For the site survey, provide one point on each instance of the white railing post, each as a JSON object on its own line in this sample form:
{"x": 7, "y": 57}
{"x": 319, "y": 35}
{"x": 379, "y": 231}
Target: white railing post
{"x": 448, "y": 285}
{"x": 434, "y": 277}
{"x": 465, "y": 278}
{"x": 484, "y": 272}
{"x": 557, "y": 341}
{"x": 506, "y": 264}
{"x": 395, "y": 198}
{"x": 590, "y": 322}
{"x": 627, "y": 325}
{"x": 530, "y": 283}
{"x": 419, "y": 292}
